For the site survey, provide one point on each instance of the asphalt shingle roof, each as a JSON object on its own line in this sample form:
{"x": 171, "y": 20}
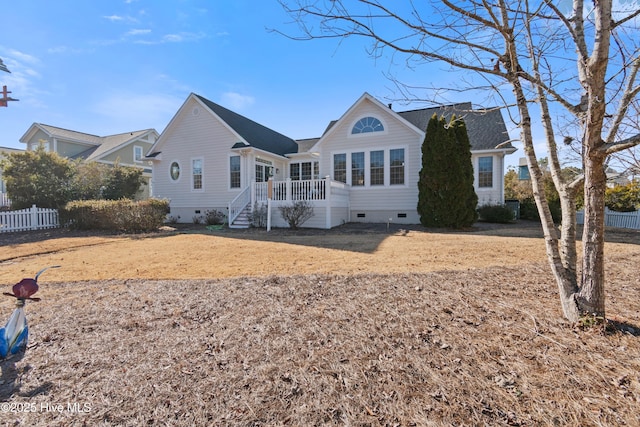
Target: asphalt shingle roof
{"x": 486, "y": 129}
{"x": 257, "y": 135}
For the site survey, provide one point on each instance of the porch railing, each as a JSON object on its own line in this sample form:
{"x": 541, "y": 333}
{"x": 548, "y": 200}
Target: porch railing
{"x": 293, "y": 190}
{"x": 240, "y": 202}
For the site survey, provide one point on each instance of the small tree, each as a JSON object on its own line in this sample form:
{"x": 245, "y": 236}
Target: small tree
{"x": 446, "y": 197}
{"x": 37, "y": 177}
{"x": 88, "y": 180}
{"x": 297, "y": 213}
{"x": 122, "y": 182}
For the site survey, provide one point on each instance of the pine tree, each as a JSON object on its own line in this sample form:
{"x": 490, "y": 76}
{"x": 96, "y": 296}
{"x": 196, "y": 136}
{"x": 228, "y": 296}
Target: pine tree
{"x": 446, "y": 195}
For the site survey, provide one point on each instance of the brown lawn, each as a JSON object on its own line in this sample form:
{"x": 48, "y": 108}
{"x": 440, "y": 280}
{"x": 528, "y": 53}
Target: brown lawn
{"x": 355, "y": 326}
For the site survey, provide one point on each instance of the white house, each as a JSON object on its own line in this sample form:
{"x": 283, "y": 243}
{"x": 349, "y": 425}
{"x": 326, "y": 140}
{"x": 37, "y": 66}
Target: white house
{"x": 364, "y": 168}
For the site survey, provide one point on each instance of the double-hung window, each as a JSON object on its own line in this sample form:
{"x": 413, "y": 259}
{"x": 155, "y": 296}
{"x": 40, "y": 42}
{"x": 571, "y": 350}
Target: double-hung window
{"x": 396, "y": 167}
{"x": 357, "y": 169}
{"x": 234, "y": 172}
{"x": 485, "y": 172}
{"x": 196, "y": 174}
{"x": 376, "y": 168}
{"x": 340, "y": 167}
{"x": 137, "y": 153}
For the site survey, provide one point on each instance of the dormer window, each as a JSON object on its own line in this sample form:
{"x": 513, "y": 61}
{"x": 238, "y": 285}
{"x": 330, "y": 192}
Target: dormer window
{"x": 366, "y": 125}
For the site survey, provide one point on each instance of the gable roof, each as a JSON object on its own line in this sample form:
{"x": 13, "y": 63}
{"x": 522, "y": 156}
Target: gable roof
{"x": 255, "y": 134}
{"x": 113, "y": 142}
{"x": 56, "y": 132}
{"x": 486, "y": 129}
{"x": 98, "y": 146}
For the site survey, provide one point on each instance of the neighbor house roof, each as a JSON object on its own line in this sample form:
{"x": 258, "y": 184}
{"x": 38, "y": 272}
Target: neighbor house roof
{"x": 110, "y": 143}
{"x": 98, "y": 146}
{"x": 255, "y": 134}
{"x": 71, "y": 135}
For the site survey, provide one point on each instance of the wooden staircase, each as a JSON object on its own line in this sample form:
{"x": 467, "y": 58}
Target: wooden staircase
{"x": 243, "y": 220}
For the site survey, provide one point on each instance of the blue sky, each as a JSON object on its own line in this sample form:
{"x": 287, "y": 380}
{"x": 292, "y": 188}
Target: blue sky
{"x": 111, "y": 66}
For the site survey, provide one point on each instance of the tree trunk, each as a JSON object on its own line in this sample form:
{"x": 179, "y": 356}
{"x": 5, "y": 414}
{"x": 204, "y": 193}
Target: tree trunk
{"x": 591, "y": 295}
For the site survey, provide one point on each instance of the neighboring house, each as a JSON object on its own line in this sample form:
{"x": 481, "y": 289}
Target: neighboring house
{"x": 364, "y": 168}
{"x": 126, "y": 149}
{"x": 4, "y": 200}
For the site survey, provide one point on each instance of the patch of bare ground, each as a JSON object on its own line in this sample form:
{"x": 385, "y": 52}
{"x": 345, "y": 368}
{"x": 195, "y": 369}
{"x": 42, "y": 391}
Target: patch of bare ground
{"x": 464, "y": 345}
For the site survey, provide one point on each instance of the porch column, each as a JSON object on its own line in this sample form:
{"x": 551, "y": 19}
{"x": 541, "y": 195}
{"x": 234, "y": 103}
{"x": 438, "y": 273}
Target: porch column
{"x": 327, "y": 201}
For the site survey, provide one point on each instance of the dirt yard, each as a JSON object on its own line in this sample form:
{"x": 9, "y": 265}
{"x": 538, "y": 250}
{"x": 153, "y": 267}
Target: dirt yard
{"x": 355, "y": 326}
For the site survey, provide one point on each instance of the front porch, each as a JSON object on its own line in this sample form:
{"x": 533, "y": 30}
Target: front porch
{"x": 330, "y": 201}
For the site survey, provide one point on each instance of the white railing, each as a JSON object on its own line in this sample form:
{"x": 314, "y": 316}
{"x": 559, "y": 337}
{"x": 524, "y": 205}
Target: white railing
{"x": 4, "y": 200}
{"x": 290, "y": 190}
{"x": 33, "y": 218}
{"x": 616, "y": 219}
{"x": 237, "y": 205}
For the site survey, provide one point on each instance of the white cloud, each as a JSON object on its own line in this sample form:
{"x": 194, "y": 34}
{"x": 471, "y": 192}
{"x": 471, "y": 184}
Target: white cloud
{"x": 236, "y": 101}
{"x": 114, "y": 18}
{"x": 138, "y": 32}
{"x": 23, "y": 57}
{"x": 120, "y": 18}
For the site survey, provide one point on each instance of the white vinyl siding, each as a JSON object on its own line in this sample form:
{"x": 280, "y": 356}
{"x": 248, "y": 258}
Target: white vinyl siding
{"x": 196, "y": 136}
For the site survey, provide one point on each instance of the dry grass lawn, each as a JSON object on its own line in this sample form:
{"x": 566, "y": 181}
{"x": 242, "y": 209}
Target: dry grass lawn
{"x": 357, "y": 326}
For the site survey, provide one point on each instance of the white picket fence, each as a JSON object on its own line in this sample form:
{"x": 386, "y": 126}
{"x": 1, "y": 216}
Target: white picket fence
{"x": 616, "y": 219}
{"x": 4, "y": 199}
{"x": 33, "y": 218}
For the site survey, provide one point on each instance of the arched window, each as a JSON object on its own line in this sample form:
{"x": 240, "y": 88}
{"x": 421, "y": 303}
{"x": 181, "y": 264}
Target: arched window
{"x": 367, "y": 124}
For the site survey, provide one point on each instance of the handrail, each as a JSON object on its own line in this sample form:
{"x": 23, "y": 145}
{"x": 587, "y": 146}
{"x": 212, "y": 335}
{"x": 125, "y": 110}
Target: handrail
{"x": 237, "y": 205}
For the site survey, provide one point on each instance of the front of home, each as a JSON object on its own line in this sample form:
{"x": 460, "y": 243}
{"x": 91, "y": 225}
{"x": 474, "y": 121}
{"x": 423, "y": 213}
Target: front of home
{"x": 364, "y": 168}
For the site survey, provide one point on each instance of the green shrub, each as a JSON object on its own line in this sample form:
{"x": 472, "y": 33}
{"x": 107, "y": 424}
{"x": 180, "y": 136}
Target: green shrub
{"x": 122, "y": 215}
{"x": 496, "y": 213}
{"x": 623, "y": 198}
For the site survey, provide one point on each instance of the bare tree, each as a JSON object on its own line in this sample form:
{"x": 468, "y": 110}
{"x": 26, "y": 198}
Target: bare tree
{"x": 569, "y": 65}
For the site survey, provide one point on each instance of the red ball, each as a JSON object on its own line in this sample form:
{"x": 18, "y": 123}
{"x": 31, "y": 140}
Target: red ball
{"x": 25, "y": 288}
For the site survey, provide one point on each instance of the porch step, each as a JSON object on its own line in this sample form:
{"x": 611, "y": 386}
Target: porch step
{"x": 242, "y": 221}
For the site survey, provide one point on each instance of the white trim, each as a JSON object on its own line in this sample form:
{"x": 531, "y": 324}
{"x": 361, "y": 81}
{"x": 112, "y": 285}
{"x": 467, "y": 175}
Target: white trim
{"x": 229, "y": 187}
{"x": 384, "y": 130}
{"x": 367, "y": 164}
{"x": 141, "y": 158}
{"x": 201, "y": 189}
{"x": 180, "y": 172}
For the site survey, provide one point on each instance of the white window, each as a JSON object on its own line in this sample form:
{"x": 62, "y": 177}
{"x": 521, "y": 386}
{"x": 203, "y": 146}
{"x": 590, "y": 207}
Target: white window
{"x": 371, "y": 168}
{"x": 197, "y": 174}
{"x": 485, "y": 172}
{"x": 396, "y": 169}
{"x": 366, "y": 125}
{"x": 304, "y": 171}
{"x": 234, "y": 172}
{"x": 137, "y": 154}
